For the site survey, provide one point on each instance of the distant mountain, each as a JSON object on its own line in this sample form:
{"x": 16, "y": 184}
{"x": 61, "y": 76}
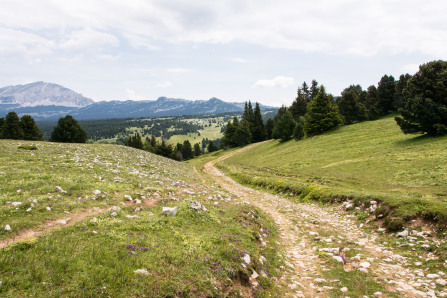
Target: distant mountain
{"x": 45, "y": 101}
{"x": 41, "y": 94}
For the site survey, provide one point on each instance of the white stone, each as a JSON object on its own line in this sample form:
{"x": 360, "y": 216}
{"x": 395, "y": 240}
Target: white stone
{"x": 349, "y": 206}
{"x": 48, "y": 208}
{"x": 433, "y": 276}
{"x": 344, "y": 289}
{"x": 365, "y": 264}
{"x": 94, "y": 232}
{"x": 113, "y": 214}
{"x": 169, "y": 211}
{"x": 319, "y": 280}
{"x": 96, "y": 192}
{"x": 377, "y": 294}
{"x": 115, "y": 208}
{"x": 16, "y": 203}
{"x": 338, "y": 259}
{"x": 441, "y": 282}
{"x": 404, "y": 233}
{"x": 141, "y": 271}
{"x": 129, "y": 198}
{"x": 254, "y": 275}
{"x": 7, "y": 228}
{"x": 137, "y": 201}
{"x": 418, "y": 264}
{"x": 364, "y": 270}
{"x": 62, "y": 222}
{"x": 246, "y": 258}
{"x": 28, "y": 210}
{"x": 131, "y": 216}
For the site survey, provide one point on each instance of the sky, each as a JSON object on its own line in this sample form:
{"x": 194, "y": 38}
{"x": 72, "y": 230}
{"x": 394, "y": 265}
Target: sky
{"x": 235, "y": 50}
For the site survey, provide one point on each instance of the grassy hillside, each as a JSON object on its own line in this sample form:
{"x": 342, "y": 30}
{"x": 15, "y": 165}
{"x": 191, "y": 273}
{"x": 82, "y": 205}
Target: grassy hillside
{"x": 369, "y": 160}
{"x": 45, "y": 190}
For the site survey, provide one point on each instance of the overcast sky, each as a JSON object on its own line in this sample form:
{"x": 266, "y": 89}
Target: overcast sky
{"x": 235, "y": 50}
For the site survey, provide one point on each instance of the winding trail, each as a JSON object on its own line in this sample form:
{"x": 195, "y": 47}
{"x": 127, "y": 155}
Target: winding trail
{"x": 306, "y": 229}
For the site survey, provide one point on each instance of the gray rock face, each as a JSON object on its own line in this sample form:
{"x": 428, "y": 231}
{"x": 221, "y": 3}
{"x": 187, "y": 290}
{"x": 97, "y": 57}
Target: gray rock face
{"x": 197, "y": 206}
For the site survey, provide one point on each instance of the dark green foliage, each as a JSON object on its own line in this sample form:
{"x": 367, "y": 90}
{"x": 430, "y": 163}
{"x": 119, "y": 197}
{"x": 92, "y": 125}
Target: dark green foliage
{"x": 187, "y": 152}
{"x": 269, "y": 128}
{"x": 385, "y": 90}
{"x": 282, "y": 110}
{"x": 299, "y": 105}
{"x": 258, "y": 129}
{"x": 230, "y": 130}
{"x": 322, "y": 114}
{"x": 135, "y": 141}
{"x": 399, "y": 98}
{"x": 2, "y": 124}
{"x": 298, "y": 132}
{"x": 12, "y": 128}
{"x": 314, "y": 89}
{"x": 426, "y": 95}
{"x": 164, "y": 149}
{"x": 284, "y": 128}
{"x": 197, "y": 149}
{"x": 242, "y": 135}
{"x": 350, "y": 106}
{"x": 212, "y": 147}
{"x": 68, "y": 130}
{"x": 30, "y": 130}
{"x": 372, "y": 103}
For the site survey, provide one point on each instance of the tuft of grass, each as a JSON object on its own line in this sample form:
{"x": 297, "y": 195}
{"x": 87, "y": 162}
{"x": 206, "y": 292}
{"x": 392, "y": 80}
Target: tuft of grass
{"x": 367, "y": 161}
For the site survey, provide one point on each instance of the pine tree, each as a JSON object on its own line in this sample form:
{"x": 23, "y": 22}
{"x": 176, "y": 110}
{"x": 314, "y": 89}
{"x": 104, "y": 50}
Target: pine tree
{"x": 212, "y": 147}
{"x": 269, "y": 128}
{"x": 322, "y": 114}
{"x": 187, "y": 150}
{"x": 426, "y": 101}
{"x": 285, "y": 127}
{"x": 298, "y": 132}
{"x": 258, "y": 132}
{"x": 385, "y": 90}
{"x": 68, "y": 130}
{"x": 30, "y": 130}
{"x": 197, "y": 150}
{"x": 372, "y": 103}
{"x": 398, "y": 97}
{"x": 242, "y": 135}
{"x": 228, "y": 138}
{"x": 350, "y": 107}
{"x": 12, "y": 128}
{"x": 299, "y": 105}
{"x": 2, "y": 124}
{"x": 313, "y": 89}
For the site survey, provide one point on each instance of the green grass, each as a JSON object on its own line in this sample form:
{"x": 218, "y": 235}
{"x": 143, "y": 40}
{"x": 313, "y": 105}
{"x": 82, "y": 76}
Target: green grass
{"x": 190, "y": 254}
{"x": 369, "y": 160}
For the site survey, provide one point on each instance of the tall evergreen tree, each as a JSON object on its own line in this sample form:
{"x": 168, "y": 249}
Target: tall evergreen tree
{"x": 30, "y": 130}
{"x": 230, "y": 130}
{"x": 313, "y": 89}
{"x": 322, "y": 114}
{"x": 258, "y": 132}
{"x": 212, "y": 147}
{"x": 242, "y": 135}
{"x": 281, "y": 111}
{"x": 269, "y": 128}
{"x": 285, "y": 127}
{"x": 68, "y": 130}
{"x": 2, "y": 124}
{"x": 385, "y": 90}
{"x": 350, "y": 107}
{"x": 398, "y": 97}
{"x": 372, "y": 103}
{"x": 426, "y": 96}
{"x": 187, "y": 150}
{"x": 299, "y": 105}
{"x": 197, "y": 149}
{"x": 12, "y": 128}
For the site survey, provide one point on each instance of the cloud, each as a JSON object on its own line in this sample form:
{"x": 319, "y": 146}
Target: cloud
{"x": 278, "y": 81}
{"x": 89, "y": 39}
{"x": 164, "y": 85}
{"x": 239, "y": 60}
{"x": 178, "y": 70}
{"x": 131, "y": 94}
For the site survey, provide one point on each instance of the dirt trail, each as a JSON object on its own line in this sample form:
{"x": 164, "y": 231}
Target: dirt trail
{"x": 305, "y": 227}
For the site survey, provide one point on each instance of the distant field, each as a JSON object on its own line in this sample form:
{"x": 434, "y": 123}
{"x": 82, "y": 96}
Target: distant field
{"x": 366, "y": 160}
{"x": 47, "y": 186}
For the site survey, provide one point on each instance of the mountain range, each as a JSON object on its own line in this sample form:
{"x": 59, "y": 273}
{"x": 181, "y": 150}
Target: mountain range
{"x": 47, "y": 101}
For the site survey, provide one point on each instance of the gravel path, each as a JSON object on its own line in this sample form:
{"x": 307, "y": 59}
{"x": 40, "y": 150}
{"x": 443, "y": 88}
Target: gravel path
{"x": 316, "y": 238}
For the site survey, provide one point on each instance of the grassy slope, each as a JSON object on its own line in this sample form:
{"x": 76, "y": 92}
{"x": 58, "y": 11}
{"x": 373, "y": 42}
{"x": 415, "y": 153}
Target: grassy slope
{"x": 192, "y": 253}
{"x": 366, "y": 160}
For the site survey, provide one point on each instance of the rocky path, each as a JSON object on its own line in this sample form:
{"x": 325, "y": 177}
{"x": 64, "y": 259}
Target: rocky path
{"x": 318, "y": 241}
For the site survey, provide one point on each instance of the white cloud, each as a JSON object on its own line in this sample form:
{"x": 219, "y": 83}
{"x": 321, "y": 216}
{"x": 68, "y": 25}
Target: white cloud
{"x": 278, "y": 81}
{"x": 131, "y": 94}
{"x": 178, "y": 70}
{"x": 410, "y": 68}
{"x": 164, "y": 85}
{"x": 89, "y": 39}
{"x": 108, "y": 58}
{"x": 239, "y": 60}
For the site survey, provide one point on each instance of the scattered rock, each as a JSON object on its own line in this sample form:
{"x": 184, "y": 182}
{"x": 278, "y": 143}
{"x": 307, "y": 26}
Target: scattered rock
{"x": 7, "y": 228}
{"x": 246, "y": 258}
{"x": 254, "y": 275}
{"x": 113, "y": 214}
{"x": 197, "y": 206}
{"x": 404, "y": 233}
{"x": 115, "y": 208}
{"x": 16, "y": 203}
{"x": 141, "y": 271}
{"x": 169, "y": 211}
{"x": 137, "y": 201}
{"x": 344, "y": 289}
{"x": 131, "y": 216}
{"x": 365, "y": 265}
{"x": 338, "y": 259}
{"x": 378, "y": 294}
{"x": 127, "y": 197}
{"x": 441, "y": 282}
{"x": 59, "y": 189}
{"x": 48, "y": 208}
{"x": 432, "y": 276}
{"x": 96, "y": 192}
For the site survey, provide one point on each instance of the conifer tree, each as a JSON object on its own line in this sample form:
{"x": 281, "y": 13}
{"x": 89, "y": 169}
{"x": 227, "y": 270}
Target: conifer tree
{"x": 313, "y": 90}
{"x": 269, "y": 128}
{"x": 12, "y": 128}
{"x": 2, "y": 124}
{"x": 350, "y": 106}
{"x": 30, "y": 130}
{"x": 242, "y": 135}
{"x": 212, "y": 147}
{"x": 68, "y": 130}
{"x": 228, "y": 138}
{"x": 372, "y": 103}
{"x": 398, "y": 97}
{"x": 285, "y": 127}
{"x": 258, "y": 132}
{"x": 322, "y": 114}
{"x": 197, "y": 150}
{"x": 385, "y": 90}
{"x": 187, "y": 150}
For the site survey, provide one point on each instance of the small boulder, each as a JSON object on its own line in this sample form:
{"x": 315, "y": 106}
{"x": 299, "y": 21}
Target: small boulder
{"x": 169, "y": 211}
{"x": 246, "y": 258}
{"x": 197, "y": 206}
{"x": 344, "y": 289}
{"x": 404, "y": 233}
{"x": 96, "y": 192}
{"x": 141, "y": 271}
{"x": 113, "y": 214}
{"x": 7, "y": 228}
{"x": 365, "y": 265}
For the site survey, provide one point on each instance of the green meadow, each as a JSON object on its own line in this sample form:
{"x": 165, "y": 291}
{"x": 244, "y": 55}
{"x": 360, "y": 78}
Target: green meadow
{"x": 367, "y": 161}
{"x": 127, "y": 248}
